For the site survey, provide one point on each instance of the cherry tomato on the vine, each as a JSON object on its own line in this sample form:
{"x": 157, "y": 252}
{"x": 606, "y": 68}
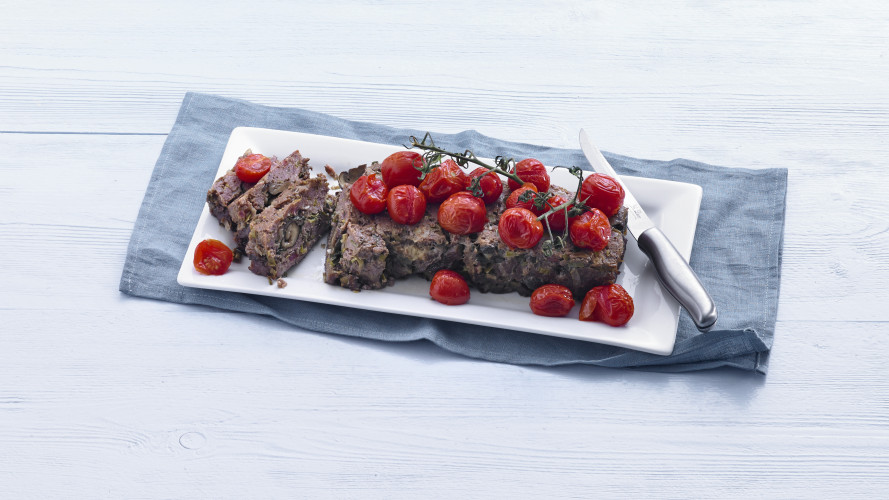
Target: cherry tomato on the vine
{"x": 368, "y": 194}
{"x": 449, "y": 288}
{"x": 609, "y": 304}
{"x": 603, "y": 192}
{"x": 513, "y": 199}
{"x": 590, "y": 230}
{"x": 402, "y": 167}
{"x": 406, "y": 204}
{"x": 531, "y": 170}
{"x": 253, "y": 167}
{"x": 212, "y": 257}
{"x": 557, "y": 220}
{"x": 462, "y": 213}
{"x": 519, "y": 228}
{"x": 491, "y": 185}
{"x": 552, "y": 300}
{"x": 443, "y": 181}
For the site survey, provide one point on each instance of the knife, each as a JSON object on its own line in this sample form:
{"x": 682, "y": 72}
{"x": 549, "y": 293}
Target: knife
{"x": 672, "y": 271}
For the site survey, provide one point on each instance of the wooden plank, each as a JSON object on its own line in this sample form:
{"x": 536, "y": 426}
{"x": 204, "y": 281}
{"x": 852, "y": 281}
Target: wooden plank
{"x": 650, "y": 81}
{"x": 214, "y": 401}
{"x": 727, "y": 126}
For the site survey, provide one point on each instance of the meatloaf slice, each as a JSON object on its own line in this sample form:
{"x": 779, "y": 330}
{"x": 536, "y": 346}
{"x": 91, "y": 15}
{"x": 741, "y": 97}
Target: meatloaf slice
{"x": 281, "y": 176}
{"x": 225, "y": 190}
{"x": 283, "y": 233}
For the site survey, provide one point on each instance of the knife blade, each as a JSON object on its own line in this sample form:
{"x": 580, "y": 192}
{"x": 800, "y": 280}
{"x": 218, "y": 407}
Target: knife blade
{"x": 672, "y": 271}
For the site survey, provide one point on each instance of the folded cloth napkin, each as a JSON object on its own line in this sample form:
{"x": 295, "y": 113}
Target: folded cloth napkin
{"x": 736, "y": 253}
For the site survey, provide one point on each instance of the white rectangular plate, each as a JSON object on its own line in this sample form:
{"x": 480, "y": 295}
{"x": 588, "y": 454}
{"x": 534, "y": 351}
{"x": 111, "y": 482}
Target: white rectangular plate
{"x": 673, "y": 206}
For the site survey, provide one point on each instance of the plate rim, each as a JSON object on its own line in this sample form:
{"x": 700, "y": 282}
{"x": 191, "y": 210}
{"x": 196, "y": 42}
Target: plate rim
{"x": 691, "y": 195}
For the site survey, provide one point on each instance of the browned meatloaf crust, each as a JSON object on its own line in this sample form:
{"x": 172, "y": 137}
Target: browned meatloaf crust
{"x": 283, "y": 233}
{"x": 225, "y": 190}
{"x": 280, "y": 177}
{"x": 491, "y": 266}
{"x": 371, "y": 251}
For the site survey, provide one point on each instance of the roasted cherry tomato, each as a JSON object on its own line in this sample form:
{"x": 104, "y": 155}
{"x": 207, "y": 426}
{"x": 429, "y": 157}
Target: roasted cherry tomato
{"x": 212, "y": 257}
{"x": 406, "y": 204}
{"x": 513, "y": 199}
{"x": 491, "y": 185}
{"x": 603, "y": 192}
{"x": 449, "y": 288}
{"x": 251, "y": 168}
{"x": 557, "y": 220}
{"x": 402, "y": 167}
{"x": 462, "y": 213}
{"x": 590, "y": 230}
{"x": 531, "y": 170}
{"x": 609, "y": 304}
{"x": 443, "y": 181}
{"x": 519, "y": 228}
{"x": 552, "y": 300}
{"x": 368, "y": 194}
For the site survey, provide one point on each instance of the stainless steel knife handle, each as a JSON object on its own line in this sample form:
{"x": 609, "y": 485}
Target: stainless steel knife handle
{"x": 678, "y": 278}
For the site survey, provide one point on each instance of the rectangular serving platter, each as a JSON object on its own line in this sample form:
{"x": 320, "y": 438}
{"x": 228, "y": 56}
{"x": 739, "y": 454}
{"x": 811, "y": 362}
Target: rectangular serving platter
{"x": 673, "y": 206}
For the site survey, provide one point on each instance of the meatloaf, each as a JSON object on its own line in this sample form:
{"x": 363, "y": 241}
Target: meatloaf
{"x": 371, "y": 252}
{"x": 281, "y": 235}
{"x": 281, "y": 176}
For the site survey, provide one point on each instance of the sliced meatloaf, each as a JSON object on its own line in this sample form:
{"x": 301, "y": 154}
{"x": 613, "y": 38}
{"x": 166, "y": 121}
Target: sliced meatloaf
{"x": 282, "y": 234}
{"x": 281, "y": 176}
{"x": 371, "y": 251}
{"x": 224, "y": 191}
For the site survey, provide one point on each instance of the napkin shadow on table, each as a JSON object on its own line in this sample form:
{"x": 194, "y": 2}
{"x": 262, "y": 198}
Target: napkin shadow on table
{"x": 736, "y": 253}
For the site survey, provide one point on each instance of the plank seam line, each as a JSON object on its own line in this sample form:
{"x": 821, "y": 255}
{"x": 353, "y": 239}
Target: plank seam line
{"x": 58, "y": 132}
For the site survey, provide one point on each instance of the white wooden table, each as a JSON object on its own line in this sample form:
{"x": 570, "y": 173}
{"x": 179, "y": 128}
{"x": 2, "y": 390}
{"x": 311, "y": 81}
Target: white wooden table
{"x": 102, "y": 395}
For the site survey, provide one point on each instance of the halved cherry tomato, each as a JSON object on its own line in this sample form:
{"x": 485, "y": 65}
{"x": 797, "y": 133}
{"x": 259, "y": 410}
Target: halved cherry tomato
{"x": 603, "y": 192}
{"x": 253, "y": 167}
{"x": 368, "y": 194}
{"x": 406, "y": 204}
{"x": 462, "y": 213}
{"x": 557, "y": 220}
{"x": 402, "y": 167}
{"x": 212, "y": 257}
{"x": 491, "y": 185}
{"x": 449, "y": 288}
{"x": 513, "y": 199}
{"x": 552, "y": 300}
{"x": 531, "y": 170}
{"x": 590, "y": 230}
{"x": 519, "y": 228}
{"x": 609, "y": 304}
{"x": 443, "y": 181}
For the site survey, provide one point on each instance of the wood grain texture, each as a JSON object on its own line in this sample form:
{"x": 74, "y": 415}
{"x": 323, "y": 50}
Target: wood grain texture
{"x": 102, "y": 395}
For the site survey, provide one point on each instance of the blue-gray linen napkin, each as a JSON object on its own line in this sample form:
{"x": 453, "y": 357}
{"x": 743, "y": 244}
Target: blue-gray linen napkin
{"x": 736, "y": 253}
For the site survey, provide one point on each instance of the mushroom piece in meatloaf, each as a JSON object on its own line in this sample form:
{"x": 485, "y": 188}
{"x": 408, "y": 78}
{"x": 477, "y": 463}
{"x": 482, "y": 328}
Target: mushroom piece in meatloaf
{"x": 371, "y": 251}
{"x": 283, "y": 233}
